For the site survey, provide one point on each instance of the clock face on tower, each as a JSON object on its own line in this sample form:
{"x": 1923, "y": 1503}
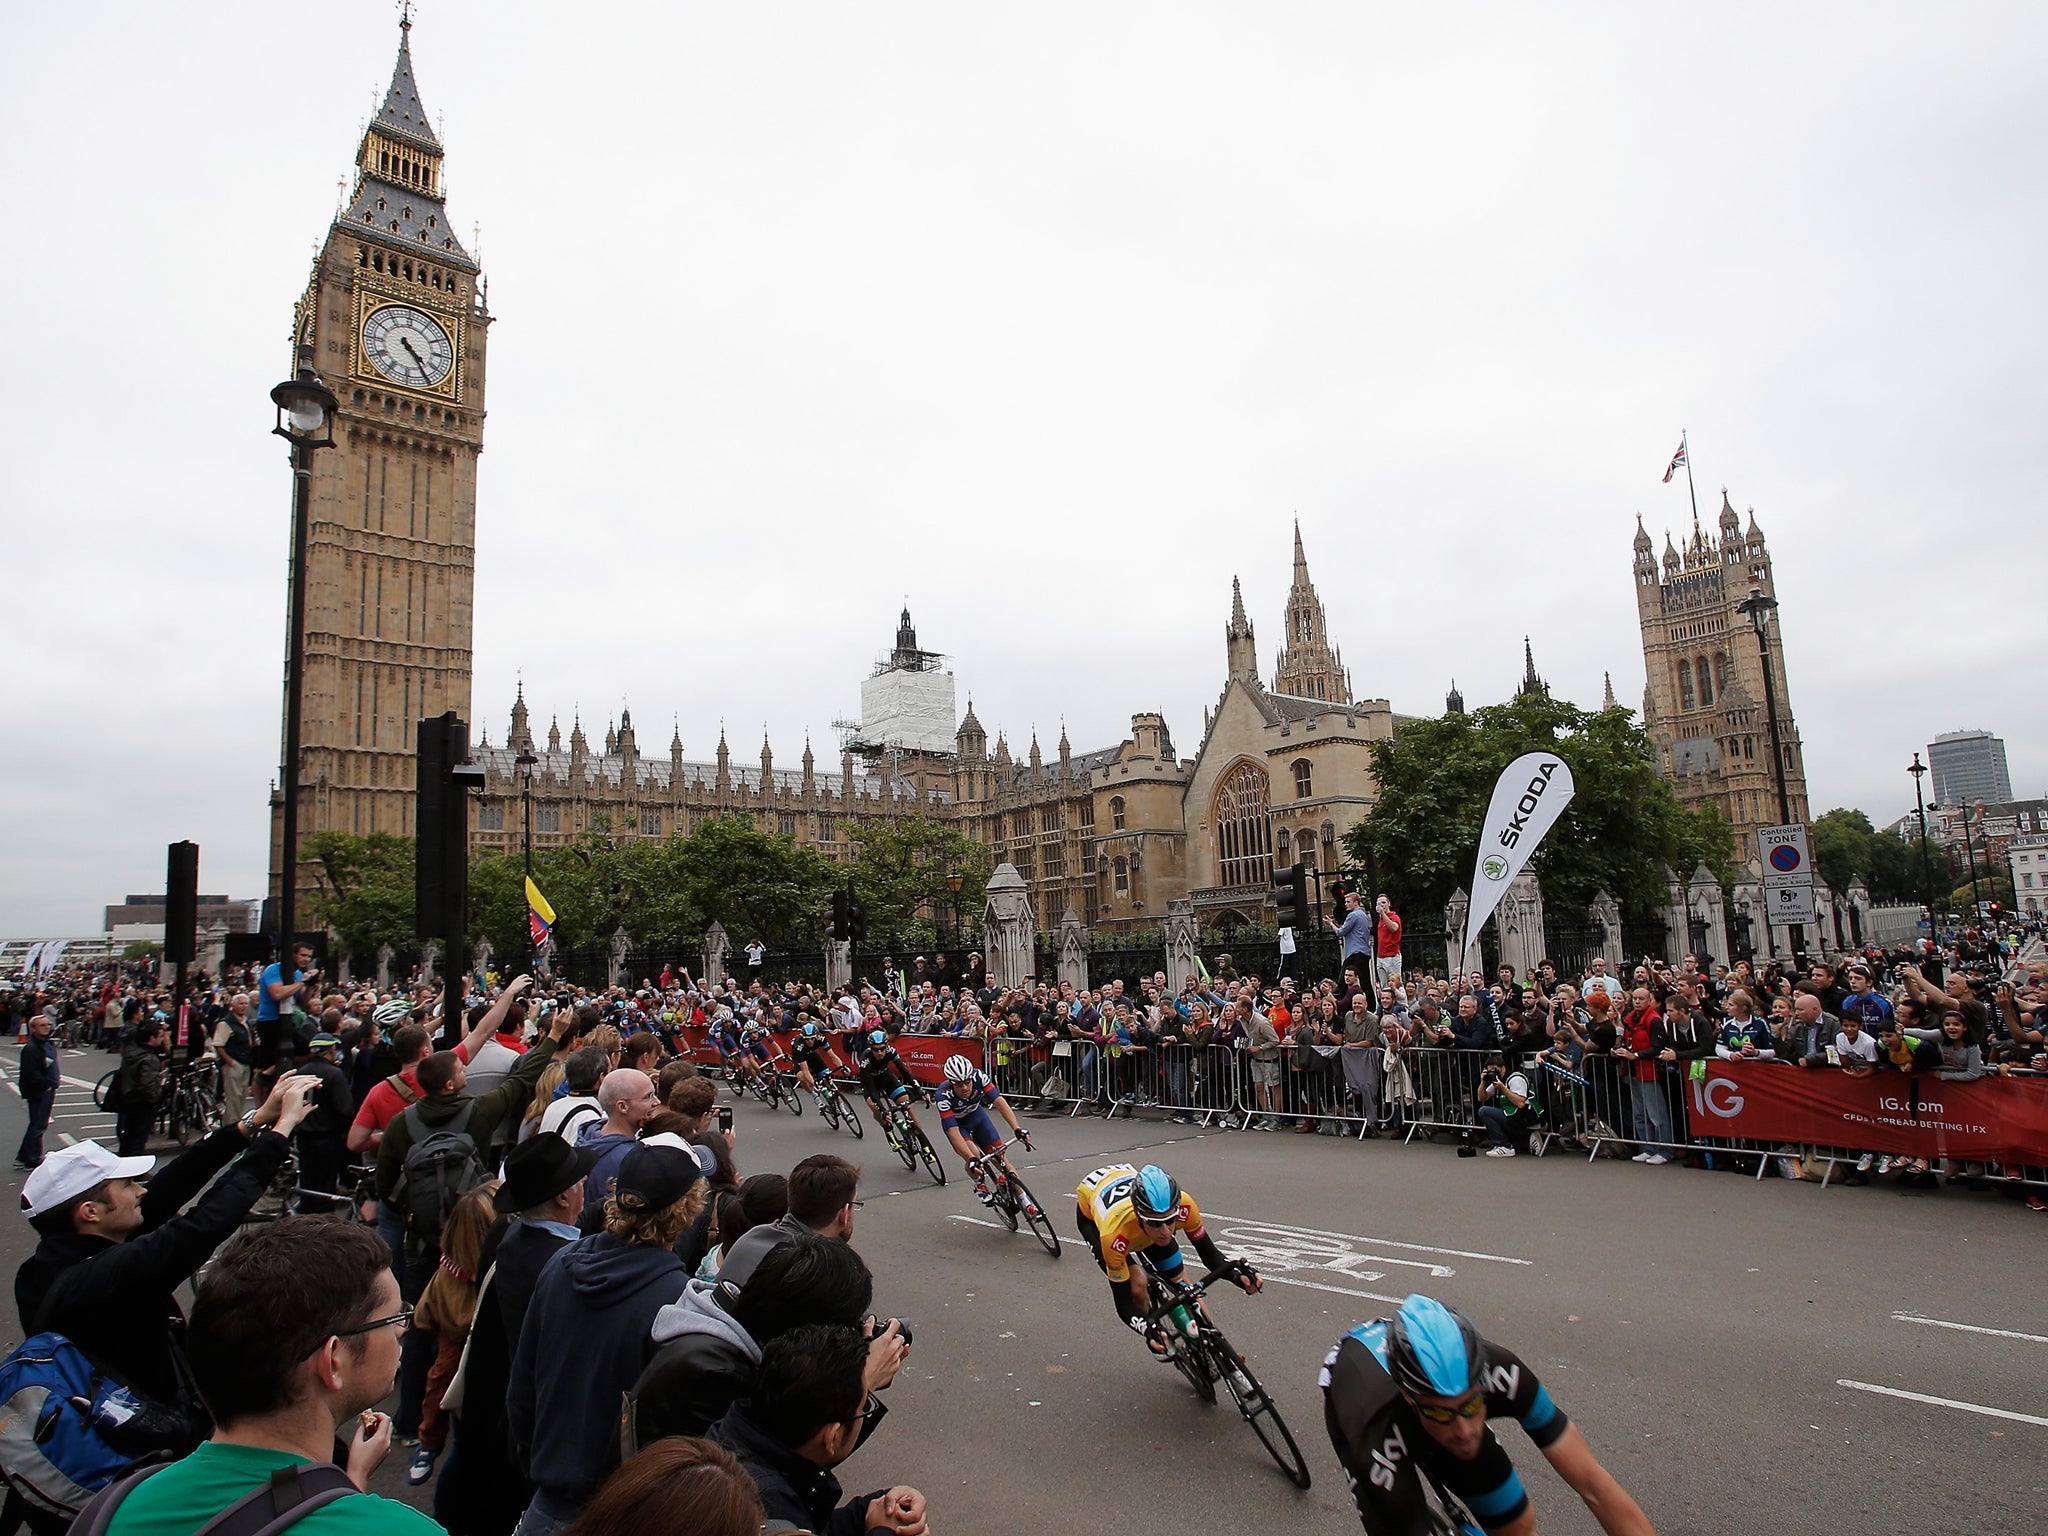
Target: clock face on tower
{"x": 408, "y": 346}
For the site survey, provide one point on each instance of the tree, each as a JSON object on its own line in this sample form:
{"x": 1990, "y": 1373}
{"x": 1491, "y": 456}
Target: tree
{"x": 1846, "y": 847}
{"x": 364, "y": 888}
{"x": 753, "y": 883}
{"x": 1992, "y": 885}
{"x": 902, "y": 870}
{"x": 1622, "y": 828}
{"x": 141, "y": 949}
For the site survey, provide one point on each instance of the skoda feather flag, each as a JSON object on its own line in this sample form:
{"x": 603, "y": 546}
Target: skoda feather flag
{"x": 540, "y": 917}
{"x": 1529, "y": 796}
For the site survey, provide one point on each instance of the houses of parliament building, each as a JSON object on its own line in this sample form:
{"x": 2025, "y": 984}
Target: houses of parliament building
{"x": 395, "y": 321}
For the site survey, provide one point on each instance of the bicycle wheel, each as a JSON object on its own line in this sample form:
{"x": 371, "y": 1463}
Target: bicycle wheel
{"x": 188, "y": 1117}
{"x": 828, "y": 1109}
{"x": 793, "y": 1100}
{"x": 895, "y": 1131}
{"x": 928, "y": 1155}
{"x": 849, "y": 1114}
{"x": 1004, "y": 1200}
{"x": 100, "y": 1089}
{"x": 1257, "y": 1408}
{"x": 1035, "y": 1217}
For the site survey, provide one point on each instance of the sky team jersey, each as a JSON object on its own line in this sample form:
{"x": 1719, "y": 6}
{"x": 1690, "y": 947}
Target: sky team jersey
{"x": 1386, "y": 1449}
{"x": 1105, "y": 1199}
{"x": 953, "y": 1099}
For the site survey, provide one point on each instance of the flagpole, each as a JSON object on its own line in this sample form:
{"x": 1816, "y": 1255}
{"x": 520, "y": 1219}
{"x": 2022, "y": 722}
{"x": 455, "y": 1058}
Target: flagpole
{"x": 1695, "y": 495}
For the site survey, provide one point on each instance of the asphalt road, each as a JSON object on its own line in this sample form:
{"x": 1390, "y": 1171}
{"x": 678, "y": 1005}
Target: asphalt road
{"x": 1699, "y": 1327}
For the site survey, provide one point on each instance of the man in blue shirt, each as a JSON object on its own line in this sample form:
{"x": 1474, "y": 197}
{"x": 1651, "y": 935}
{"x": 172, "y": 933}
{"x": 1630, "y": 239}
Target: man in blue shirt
{"x": 273, "y": 993}
{"x": 1355, "y": 935}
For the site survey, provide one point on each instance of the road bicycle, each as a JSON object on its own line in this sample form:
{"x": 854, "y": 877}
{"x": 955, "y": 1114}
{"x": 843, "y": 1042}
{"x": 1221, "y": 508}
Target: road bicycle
{"x": 783, "y": 1085}
{"x": 190, "y": 1107}
{"x": 1010, "y": 1199}
{"x": 834, "y": 1107}
{"x": 1201, "y": 1353}
{"x": 909, "y": 1142}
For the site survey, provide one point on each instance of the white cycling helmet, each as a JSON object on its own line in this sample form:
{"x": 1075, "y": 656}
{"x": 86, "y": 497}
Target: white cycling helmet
{"x": 959, "y": 1069}
{"x": 391, "y": 1015}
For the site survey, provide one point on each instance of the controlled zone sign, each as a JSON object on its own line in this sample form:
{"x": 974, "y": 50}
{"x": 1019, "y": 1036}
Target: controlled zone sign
{"x": 1788, "y": 874}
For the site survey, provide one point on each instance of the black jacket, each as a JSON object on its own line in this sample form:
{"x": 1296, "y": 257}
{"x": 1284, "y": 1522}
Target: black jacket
{"x": 329, "y": 1118}
{"x": 118, "y": 1301}
{"x": 799, "y": 1493}
{"x": 142, "y": 1076}
{"x": 39, "y": 1074}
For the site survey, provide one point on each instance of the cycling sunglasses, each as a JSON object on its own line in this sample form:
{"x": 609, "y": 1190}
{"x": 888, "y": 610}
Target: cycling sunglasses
{"x": 1470, "y": 1408}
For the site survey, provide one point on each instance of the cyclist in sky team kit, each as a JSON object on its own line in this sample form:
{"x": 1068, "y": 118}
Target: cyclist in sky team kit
{"x": 963, "y": 1102}
{"x": 1409, "y": 1396}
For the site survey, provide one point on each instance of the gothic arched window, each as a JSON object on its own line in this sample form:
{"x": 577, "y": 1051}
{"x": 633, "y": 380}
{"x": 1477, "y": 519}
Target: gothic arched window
{"x": 1282, "y": 849}
{"x": 1304, "y": 779}
{"x": 1116, "y": 813}
{"x": 1706, "y": 681}
{"x": 1244, "y": 838}
{"x": 1304, "y": 626}
{"x": 1121, "y": 875}
{"x": 1685, "y": 685}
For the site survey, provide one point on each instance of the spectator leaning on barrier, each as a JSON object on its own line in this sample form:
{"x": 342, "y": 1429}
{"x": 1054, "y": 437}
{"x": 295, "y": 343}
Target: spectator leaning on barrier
{"x": 1743, "y": 1037}
{"x": 807, "y": 1414}
{"x": 1643, "y": 1044}
{"x": 294, "y": 1340}
{"x": 113, "y": 1254}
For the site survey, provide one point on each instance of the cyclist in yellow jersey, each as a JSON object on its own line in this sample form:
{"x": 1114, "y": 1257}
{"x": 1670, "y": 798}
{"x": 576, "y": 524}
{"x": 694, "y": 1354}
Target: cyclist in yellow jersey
{"x": 1127, "y": 1214}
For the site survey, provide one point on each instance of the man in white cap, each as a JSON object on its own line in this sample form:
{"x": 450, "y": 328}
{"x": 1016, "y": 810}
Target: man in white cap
{"x": 113, "y": 1253}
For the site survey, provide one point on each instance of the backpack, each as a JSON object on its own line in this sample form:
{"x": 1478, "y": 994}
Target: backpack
{"x": 441, "y": 1166}
{"x": 68, "y": 1428}
{"x": 276, "y": 1504}
{"x": 106, "y": 1094}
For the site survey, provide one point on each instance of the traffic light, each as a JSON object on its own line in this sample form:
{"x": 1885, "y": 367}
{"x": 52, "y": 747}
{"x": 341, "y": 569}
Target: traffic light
{"x": 842, "y": 915}
{"x": 857, "y": 924}
{"x": 1290, "y": 885}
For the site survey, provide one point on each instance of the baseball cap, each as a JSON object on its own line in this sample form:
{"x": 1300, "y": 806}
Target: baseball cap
{"x": 322, "y": 1042}
{"x": 656, "y": 1173}
{"x": 66, "y": 1174}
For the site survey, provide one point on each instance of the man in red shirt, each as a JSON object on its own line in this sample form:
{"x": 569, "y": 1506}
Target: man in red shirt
{"x": 387, "y": 1100}
{"x": 1386, "y": 966}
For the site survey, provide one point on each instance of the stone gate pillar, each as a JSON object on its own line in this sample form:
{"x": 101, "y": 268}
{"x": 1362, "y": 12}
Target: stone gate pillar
{"x": 480, "y": 957}
{"x": 1520, "y": 917}
{"x": 1183, "y": 944}
{"x": 716, "y": 947}
{"x": 838, "y": 963}
{"x": 1073, "y": 950}
{"x": 1705, "y": 899}
{"x": 1606, "y": 911}
{"x": 385, "y": 955}
{"x": 1007, "y": 926}
{"x": 1455, "y": 911}
{"x": 617, "y": 950}
{"x": 1677, "y": 918}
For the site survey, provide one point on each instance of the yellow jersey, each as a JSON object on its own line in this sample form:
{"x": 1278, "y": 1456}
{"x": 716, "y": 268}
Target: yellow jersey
{"x": 1105, "y": 1199}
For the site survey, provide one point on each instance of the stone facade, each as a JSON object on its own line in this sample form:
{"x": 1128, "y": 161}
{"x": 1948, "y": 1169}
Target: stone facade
{"x": 1115, "y": 834}
{"x": 1704, "y": 703}
{"x": 393, "y": 318}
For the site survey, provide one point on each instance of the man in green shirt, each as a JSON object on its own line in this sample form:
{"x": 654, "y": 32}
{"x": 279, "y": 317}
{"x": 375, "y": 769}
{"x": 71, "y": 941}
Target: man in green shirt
{"x": 293, "y": 1340}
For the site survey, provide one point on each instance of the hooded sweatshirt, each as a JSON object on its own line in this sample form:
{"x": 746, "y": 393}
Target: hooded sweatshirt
{"x": 703, "y": 1361}
{"x": 586, "y": 1339}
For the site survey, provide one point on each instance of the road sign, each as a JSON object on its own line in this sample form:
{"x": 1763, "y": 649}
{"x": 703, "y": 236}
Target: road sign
{"x": 1784, "y": 849}
{"x": 1790, "y": 904}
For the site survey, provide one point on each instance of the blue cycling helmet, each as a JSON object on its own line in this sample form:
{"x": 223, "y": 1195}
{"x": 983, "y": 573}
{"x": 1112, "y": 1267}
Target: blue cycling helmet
{"x": 810, "y": 1029}
{"x": 878, "y": 1037}
{"x": 1156, "y": 1195}
{"x": 1433, "y": 1350}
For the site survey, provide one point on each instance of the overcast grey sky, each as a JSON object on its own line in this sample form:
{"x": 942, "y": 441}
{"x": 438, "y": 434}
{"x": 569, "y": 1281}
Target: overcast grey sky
{"x": 1049, "y": 319}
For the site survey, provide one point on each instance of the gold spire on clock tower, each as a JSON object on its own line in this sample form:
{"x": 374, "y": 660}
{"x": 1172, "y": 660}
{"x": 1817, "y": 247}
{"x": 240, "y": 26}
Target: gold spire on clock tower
{"x": 394, "y": 320}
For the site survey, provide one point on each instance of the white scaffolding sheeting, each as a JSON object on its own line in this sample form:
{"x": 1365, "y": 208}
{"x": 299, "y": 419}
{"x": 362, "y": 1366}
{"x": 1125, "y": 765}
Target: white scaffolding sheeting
{"x": 909, "y": 709}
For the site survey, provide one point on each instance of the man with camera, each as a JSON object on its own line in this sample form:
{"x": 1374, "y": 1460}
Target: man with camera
{"x": 1504, "y": 1109}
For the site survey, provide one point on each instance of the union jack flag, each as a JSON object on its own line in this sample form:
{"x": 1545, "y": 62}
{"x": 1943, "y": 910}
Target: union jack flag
{"x": 1677, "y": 462}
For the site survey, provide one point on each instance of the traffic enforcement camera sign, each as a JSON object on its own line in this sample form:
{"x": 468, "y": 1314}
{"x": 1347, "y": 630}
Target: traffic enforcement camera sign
{"x": 1788, "y": 874}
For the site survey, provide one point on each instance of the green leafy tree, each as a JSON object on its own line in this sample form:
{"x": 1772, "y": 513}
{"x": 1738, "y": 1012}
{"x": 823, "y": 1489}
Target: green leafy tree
{"x": 1992, "y": 885}
{"x": 1621, "y": 828}
{"x": 141, "y": 949}
{"x": 752, "y": 883}
{"x": 1846, "y": 847}
{"x": 899, "y": 878}
{"x": 364, "y": 889}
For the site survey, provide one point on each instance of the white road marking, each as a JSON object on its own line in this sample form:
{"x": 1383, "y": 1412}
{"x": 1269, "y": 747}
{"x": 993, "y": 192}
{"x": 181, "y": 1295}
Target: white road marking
{"x": 1944, "y": 1402}
{"x": 1335, "y": 1290}
{"x": 1384, "y": 1242}
{"x": 1996, "y": 1333}
{"x": 1071, "y": 1242}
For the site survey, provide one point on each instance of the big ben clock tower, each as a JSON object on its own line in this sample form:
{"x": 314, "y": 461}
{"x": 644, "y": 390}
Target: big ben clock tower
{"x": 394, "y": 320}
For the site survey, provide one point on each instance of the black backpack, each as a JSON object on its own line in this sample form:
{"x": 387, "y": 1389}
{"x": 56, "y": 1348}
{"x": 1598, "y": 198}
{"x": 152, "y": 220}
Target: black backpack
{"x": 441, "y": 1166}
{"x": 288, "y": 1495}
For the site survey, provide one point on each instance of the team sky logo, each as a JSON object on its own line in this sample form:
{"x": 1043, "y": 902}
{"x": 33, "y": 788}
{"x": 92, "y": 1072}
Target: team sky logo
{"x": 1387, "y": 1458}
{"x": 1511, "y": 834}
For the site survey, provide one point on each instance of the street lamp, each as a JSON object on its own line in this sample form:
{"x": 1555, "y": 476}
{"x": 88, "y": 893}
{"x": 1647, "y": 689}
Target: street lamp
{"x": 1919, "y": 771}
{"x": 305, "y": 419}
{"x": 525, "y": 762}
{"x": 1758, "y": 607}
{"x": 954, "y": 882}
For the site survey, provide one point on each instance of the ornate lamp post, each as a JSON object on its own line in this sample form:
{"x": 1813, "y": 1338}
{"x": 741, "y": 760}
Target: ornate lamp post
{"x": 1759, "y": 606}
{"x": 305, "y": 419}
{"x": 954, "y": 882}
{"x": 526, "y": 762}
{"x": 1919, "y": 771}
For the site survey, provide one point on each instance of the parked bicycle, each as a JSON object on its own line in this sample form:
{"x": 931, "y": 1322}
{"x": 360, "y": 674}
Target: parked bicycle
{"x": 1201, "y": 1353}
{"x": 1010, "y": 1199}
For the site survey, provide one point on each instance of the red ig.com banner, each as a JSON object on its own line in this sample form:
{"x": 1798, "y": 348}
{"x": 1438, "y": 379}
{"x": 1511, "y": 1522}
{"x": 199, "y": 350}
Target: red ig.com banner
{"x": 1993, "y": 1119}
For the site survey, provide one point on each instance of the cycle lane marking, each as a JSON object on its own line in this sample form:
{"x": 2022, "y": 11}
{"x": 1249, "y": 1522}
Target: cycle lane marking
{"x": 1996, "y": 1333}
